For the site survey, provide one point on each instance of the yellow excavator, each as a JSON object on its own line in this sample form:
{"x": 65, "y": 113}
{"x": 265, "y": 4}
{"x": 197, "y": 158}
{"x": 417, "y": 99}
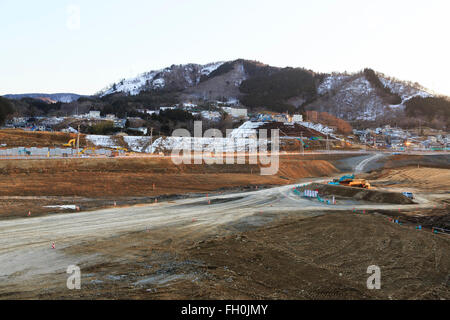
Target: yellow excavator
{"x": 71, "y": 143}
{"x": 116, "y": 152}
{"x": 87, "y": 148}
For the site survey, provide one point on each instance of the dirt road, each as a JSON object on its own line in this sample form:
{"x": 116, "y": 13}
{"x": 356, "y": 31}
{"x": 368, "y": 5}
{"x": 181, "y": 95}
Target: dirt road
{"x": 25, "y": 243}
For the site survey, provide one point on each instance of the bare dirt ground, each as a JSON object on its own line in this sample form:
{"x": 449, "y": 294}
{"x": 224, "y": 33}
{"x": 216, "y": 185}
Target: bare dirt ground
{"x": 422, "y": 178}
{"x": 260, "y": 244}
{"x": 293, "y": 257}
{"x": 427, "y": 184}
{"x": 31, "y": 185}
{"x": 21, "y": 138}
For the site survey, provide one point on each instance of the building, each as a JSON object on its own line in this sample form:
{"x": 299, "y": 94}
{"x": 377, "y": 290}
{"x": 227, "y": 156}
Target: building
{"x": 297, "y": 118}
{"x": 236, "y": 112}
{"x": 94, "y": 114}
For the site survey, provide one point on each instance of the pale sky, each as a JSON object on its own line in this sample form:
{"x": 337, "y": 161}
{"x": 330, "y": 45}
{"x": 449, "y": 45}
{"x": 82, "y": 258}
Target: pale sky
{"x": 46, "y": 48}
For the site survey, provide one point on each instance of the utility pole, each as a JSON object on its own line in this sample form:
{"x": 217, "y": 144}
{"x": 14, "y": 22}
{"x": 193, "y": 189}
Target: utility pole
{"x": 151, "y": 139}
{"x": 78, "y": 141}
{"x": 303, "y": 147}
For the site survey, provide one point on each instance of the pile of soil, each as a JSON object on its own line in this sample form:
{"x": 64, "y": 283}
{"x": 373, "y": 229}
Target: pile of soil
{"x": 359, "y": 194}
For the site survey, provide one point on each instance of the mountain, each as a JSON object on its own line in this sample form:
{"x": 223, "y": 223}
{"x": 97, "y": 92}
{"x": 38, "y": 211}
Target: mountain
{"x": 361, "y": 96}
{"x": 365, "y": 96}
{"x": 50, "y": 98}
{"x": 176, "y": 77}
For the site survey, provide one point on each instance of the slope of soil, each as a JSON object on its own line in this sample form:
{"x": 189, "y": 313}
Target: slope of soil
{"x": 414, "y": 177}
{"x": 21, "y": 138}
{"x": 359, "y": 193}
{"x": 125, "y": 179}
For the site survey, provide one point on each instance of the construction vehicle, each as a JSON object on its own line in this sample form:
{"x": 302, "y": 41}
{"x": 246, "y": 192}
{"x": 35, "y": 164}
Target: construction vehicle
{"x": 342, "y": 180}
{"x": 116, "y": 152}
{"x": 350, "y": 181}
{"x": 408, "y": 195}
{"x": 86, "y": 149}
{"x": 71, "y": 143}
{"x": 359, "y": 183}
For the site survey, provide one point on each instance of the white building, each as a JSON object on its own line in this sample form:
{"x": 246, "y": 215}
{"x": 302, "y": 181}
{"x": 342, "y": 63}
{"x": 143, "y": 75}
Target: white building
{"x": 235, "y": 112}
{"x": 94, "y": 114}
{"x": 297, "y": 118}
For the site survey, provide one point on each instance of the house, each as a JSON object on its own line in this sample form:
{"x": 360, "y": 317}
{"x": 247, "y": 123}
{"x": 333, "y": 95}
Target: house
{"x": 94, "y": 114}
{"x": 120, "y": 123}
{"x": 236, "y": 112}
{"x": 297, "y": 118}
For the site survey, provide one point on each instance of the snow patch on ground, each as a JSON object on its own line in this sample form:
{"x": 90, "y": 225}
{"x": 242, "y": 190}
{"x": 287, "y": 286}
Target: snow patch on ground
{"x": 331, "y": 83}
{"x": 246, "y": 130}
{"x": 204, "y": 144}
{"x": 136, "y": 143}
{"x": 102, "y": 141}
{"x": 207, "y": 69}
{"x": 64, "y": 207}
{"x": 317, "y": 126}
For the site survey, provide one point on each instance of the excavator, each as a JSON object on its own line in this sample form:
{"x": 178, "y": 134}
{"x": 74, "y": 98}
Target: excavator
{"x": 350, "y": 181}
{"x": 116, "y": 152}
{"x": 71, "y": 143}
{"x": 86, "y": 149}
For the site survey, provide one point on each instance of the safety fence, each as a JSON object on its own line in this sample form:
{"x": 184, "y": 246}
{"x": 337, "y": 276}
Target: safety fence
{"x": 21, "y": 152}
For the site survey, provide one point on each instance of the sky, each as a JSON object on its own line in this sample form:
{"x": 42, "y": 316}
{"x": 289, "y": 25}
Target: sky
{"x": 79, "y": 46}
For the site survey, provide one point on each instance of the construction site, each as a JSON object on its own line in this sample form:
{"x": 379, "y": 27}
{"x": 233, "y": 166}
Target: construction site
{"x": 141, "y": 227}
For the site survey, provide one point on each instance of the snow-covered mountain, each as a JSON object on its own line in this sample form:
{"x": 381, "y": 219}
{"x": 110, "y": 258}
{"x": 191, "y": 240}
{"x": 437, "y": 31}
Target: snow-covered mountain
{"x": 354, "y": 97}
{"x": 58, "y": 97}
{"x": 175, "y": 77}
{"x": 365, "y": 95}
